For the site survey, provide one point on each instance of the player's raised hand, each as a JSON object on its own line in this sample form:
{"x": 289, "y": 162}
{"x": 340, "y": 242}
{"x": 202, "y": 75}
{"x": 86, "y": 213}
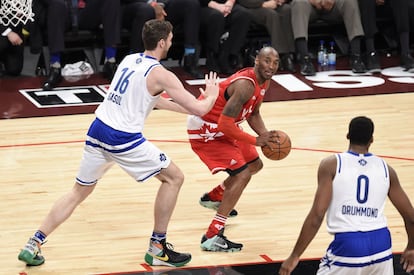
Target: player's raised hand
{"x": 212, "y": 88}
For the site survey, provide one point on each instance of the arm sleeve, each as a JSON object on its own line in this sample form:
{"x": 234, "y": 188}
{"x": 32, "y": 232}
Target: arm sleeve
{"x": 228, "y": 126}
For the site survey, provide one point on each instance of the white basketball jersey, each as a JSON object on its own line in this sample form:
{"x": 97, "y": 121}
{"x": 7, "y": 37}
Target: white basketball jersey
{"x": 360, "y": 189}
{"x": 128, "y": 102}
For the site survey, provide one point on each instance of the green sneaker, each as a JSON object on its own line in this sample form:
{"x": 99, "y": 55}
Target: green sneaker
{"x": 163, "y": 254}
{"x": 208, "y": 203}
{"x": 31, "y": 253}
{"x": 219, "y": 243}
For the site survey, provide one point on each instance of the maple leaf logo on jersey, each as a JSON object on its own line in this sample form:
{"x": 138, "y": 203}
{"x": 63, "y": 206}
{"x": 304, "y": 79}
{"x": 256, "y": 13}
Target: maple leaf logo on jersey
{"x": 209, "y": 133}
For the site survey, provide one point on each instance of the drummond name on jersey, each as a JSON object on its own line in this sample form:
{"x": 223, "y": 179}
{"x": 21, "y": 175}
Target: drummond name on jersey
{"x": 359, "y": 211}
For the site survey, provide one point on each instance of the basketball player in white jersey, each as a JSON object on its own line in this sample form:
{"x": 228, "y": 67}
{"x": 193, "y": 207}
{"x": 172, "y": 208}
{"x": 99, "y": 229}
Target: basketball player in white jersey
{"x": 115, "y": 136}
{"x": 352, "y": 189}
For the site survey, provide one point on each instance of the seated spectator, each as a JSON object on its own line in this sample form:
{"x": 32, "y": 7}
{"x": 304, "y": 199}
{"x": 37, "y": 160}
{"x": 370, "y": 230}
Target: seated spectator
{"x": 275, "y": 15}
{"x": 183, "y": 14}
{"x": 58, "y": 16}
{"x": 305, "y": 11}
{"x": 11, "y": 49}
{"x": 218, "y": 17}
{"x": 399, "y": 11}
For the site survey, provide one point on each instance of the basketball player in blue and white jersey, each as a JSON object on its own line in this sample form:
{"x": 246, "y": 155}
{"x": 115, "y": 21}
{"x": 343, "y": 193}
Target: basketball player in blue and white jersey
{"x": 352, "y": 189}
{"x": 115, "y": 136}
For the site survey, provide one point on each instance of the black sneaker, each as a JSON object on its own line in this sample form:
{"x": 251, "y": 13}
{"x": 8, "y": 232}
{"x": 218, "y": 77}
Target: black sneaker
{"x": 219, "y": 243}
{"x": 208, "y": 203}
{"x": 286, "y": 63}
{"x": 54, "y": 78}
{"x": 109, "y": 70}
{"x": 163, "y": 254}
{"x": 407, "y": 62}
{"x": 373, "y": 64}
{"x": 191, "y": 66}
{"x": 212, "y": 62}
{"x": 306, "y": 66}
{"x": 357, "y": 65}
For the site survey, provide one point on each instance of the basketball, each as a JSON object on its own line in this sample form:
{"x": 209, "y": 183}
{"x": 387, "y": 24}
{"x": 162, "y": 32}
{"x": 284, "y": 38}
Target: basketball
{"x": 279, "y": 150}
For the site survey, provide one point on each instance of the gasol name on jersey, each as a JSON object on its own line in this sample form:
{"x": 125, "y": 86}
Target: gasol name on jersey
{"x": 115, "y": 98}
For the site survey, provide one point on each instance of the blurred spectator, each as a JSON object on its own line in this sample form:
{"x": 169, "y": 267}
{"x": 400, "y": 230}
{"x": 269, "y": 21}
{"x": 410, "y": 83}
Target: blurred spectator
{"x": 183, "y": 14}
{"x": 275, "y": 15}
{"x": 218, "y": 18}
{"x": 399, "y": 11}
{"x": 305, "y": 11}
{"x": 11, "y": 49}
{"x": 58, "y": 16}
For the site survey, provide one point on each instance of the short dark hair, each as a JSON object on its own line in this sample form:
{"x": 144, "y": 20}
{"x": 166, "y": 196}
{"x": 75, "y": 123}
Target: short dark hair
{"x": 153, "y": 31}
{"x": 360, "y": 130}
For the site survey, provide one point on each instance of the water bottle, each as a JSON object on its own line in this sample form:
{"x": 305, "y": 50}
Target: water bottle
{"x": 331, "y": 54}
{"x": 322, "y": 53}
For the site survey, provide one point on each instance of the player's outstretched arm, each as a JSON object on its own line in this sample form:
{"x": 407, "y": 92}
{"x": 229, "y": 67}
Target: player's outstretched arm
{"x": 315, "y": 217}
{"x": 170, "y": 105}
{"x": 175, "y": 89}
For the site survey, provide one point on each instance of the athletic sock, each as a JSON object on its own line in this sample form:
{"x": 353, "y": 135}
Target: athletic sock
{"x": 217, "y": 193}
{"x": 55, "y": 60}
{"x": 405, "y": 42}
{"x": 110, "y": 53}
{"x": 369, "y": 43}
{"x": 216, "y": 225}
{"x": 189, "y": 50}
{"x": 302, "y": 46}
{"x": 158, "y": 237}
{"x": 39, "y": 236}
{"x": 356, "y": 45}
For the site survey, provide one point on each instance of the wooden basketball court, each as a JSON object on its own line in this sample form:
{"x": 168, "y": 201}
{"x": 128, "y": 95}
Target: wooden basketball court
{"x": 109, "y": 232}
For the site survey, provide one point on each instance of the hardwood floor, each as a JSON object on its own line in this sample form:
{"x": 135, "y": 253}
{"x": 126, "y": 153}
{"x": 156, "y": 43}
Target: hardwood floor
{"x": 109, "y": 232}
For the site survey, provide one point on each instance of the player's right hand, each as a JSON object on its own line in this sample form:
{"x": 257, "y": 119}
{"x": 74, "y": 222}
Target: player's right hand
{"x": 266, "y": 138}
{"x": 212, "y": 87}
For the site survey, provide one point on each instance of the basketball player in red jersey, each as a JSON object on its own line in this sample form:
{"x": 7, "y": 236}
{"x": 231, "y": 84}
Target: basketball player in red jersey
{"x": 222, "y": 145}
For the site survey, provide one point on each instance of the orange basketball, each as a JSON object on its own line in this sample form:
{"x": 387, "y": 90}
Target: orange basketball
{"x": 280, "y": 149}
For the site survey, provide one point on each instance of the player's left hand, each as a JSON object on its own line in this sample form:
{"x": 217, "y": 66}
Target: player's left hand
{"x": 407, "y": 260}
{"x": 288, "y": 265}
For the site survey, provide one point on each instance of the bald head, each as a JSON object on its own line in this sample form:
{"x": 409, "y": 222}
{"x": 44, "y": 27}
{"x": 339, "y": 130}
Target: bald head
{"x": 267, "y": 50}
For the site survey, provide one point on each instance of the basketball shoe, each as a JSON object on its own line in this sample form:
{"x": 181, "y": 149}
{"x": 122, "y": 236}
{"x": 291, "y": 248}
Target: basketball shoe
{"x": 208, "y": 203}
{"x": 219, "y": 243}
{"x": 163, "y": 254}
{"x": 31, "y": 253}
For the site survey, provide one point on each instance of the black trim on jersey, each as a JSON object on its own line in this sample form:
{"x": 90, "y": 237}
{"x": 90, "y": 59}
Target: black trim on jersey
{"x": 235, "y": 172}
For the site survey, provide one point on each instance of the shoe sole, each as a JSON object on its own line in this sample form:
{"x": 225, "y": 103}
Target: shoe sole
{"x": 151, "y": 260}
{"x": 215, "y": 205}
{"x": 374, "y": 71}
{"x": 219, "y": 249}
{"x": 27, "y": 257}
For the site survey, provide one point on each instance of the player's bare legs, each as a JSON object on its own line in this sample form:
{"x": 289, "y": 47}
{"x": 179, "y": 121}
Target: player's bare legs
{"x": 61, "y": 211}
{"x": 171, "y": 179}
{"x": 160, "y": 252}
{"x": 232, "y": 193}
{"x": 234, "y": 186}
{"x": 64, "y": 207}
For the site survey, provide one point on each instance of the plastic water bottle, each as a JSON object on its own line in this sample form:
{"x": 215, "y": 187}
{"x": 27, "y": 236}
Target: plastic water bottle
{"x": 322, "y": 60}
{"x": 331, "y": 54}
